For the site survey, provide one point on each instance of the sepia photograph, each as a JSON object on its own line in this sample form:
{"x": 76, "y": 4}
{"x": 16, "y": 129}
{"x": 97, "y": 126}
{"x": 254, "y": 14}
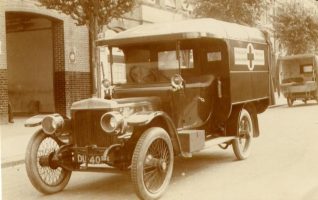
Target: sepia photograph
{"x": 159, "y": 99}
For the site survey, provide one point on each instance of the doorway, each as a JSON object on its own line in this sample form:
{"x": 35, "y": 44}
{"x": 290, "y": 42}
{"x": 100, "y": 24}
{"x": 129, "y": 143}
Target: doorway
{"x": 30, "y": 60}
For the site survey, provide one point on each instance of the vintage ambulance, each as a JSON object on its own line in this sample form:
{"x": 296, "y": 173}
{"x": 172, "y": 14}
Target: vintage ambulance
{"x": 178, "y": 88}
{"x": 298, "y": 77}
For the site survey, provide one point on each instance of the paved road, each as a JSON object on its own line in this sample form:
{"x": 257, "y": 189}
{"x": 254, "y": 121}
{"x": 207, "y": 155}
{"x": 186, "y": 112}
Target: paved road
{"x": 283, "y": 165}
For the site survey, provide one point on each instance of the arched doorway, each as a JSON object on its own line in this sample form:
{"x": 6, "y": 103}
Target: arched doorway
{"x": 32, "y": 45}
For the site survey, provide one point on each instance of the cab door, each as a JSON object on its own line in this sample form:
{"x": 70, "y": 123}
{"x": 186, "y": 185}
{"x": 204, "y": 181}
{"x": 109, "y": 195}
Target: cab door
{"x": 197, "y": 101}
{"x": 197, "y": 106}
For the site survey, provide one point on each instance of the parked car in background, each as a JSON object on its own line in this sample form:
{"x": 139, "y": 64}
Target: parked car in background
{"x": 298, "y": 77}
{"x": 181, "y": 87}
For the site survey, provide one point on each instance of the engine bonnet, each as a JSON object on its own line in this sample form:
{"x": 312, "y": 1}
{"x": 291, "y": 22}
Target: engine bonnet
{"x": 97, "y": 103}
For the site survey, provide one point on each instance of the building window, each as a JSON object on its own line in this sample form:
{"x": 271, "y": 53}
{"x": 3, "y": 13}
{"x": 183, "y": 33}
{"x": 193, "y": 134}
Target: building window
{"x": 170, "y": 3}
{"x": 150, "y": 1}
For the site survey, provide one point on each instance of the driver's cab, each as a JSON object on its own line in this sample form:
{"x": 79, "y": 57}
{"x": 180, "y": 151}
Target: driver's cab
{"x": 156, "y": 63}
{"x": 185, "y": 74}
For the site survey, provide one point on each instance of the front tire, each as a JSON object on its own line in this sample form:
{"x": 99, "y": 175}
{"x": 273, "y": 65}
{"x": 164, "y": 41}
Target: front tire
{"x": 46, "y": 179}
{"x": 152, "y": 163}
{"x": 242, "y": 144}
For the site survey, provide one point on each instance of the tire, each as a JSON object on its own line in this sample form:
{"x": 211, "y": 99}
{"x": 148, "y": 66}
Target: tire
{"x": 152, "y": 163}
{"x": 45, "y": 179}
{"x": 290, "y": 102}
{"x": 242, "y": 144}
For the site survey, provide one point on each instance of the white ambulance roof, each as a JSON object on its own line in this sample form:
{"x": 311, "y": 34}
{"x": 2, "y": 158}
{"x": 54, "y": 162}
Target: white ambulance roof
{"x": 298, "y": 56}
{"x": 186, "y": 29}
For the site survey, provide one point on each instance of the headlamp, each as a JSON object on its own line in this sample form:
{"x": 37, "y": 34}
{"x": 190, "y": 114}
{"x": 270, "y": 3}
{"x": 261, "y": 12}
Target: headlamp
{"x": 111, "y": 122}
{"x": 106, "y": 83}
{"x": 52, "y": 124}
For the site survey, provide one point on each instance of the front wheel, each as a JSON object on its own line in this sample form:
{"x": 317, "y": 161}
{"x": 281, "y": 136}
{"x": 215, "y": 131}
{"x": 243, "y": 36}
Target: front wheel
{"x": 152, "y": 163}
{"x": 242, "y": 144}
{"x": 44, "y": 175}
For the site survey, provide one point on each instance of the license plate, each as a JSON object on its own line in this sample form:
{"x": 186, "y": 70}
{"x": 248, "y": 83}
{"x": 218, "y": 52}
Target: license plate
{"x": 95, "y": 159}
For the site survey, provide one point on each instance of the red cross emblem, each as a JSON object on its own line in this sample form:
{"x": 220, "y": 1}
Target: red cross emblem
{"x": 250, "y": 56}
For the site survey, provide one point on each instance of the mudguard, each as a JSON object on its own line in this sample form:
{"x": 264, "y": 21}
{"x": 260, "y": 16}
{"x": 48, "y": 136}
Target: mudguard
{"x": 34, "y": 121}
{"x": 145, "y": 118}
{"x": 232, "y": 122}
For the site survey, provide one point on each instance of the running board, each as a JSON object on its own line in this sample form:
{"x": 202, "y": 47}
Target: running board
{"x": 194, "y": 140}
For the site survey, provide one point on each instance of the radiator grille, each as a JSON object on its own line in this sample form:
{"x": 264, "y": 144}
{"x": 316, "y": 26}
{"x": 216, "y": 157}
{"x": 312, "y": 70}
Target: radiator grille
{"x": 87, "y": 129}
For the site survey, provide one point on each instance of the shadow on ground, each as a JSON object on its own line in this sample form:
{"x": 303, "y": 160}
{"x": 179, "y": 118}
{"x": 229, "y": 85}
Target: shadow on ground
{"x": 119, "y": 186}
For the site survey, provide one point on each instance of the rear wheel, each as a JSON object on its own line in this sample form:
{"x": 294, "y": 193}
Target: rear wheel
{"x": 290, "y": 102}
{"x": 45, "y": 175}
{"x": 242, "y": 144}
{"x": 152, "y": 163}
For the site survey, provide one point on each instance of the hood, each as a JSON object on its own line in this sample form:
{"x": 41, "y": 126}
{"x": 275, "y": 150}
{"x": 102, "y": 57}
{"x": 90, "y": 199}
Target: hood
{"x": 138, "y": 101}
{"x": 93, "y": 103}
{"x": 98, "y": 103}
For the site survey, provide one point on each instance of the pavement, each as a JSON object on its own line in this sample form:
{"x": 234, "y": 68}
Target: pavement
{"x": 14, "y": 141}
{"x": 15, "y": 138}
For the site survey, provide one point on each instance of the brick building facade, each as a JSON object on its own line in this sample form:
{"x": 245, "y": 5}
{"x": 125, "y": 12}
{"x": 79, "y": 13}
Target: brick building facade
{"x": 44, "y": 56}
{"x": 3, "y": 68}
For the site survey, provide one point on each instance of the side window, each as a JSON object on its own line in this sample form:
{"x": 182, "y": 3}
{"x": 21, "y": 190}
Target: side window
{"x": 119, "y": 71}
{"x": 307, "y": 72}
{"x": 305, "y": 69}
{"x": 214, "y": 56}
{"x": 215, "y": 60}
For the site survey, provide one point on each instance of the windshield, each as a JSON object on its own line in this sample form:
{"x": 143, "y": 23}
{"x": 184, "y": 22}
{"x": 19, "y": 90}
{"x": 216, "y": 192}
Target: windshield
{"x": 146, "y": 64}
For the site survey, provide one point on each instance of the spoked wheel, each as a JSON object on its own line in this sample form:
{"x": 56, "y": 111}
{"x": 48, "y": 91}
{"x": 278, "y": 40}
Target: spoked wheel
{"x": 290, "y": 102}
{"x": 44, "y": 174}
{"x": 152, "y": 163}
{"x": 242, "y": 144}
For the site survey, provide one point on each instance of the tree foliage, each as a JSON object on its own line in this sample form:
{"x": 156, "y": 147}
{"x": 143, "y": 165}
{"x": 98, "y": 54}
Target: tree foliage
{"x": 86, "y": 11}
{"x": 246, "y": 12}
{"x": 296, "y": 28}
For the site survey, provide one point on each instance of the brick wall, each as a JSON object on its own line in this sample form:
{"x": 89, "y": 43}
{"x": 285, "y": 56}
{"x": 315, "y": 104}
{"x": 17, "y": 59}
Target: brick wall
{"x": 3, "y": 96}
{"x": 59, "y": 67}
{"x": 72, "y": 80}
{"x": 71, "y": 86}
{"x": 77, "y": 87}
{"x": 3, "y": 69}
{"x": 77, "y": 73}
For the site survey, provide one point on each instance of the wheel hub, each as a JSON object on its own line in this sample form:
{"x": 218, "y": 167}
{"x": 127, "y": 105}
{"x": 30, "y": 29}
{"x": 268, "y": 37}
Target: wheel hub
{"x": 163, "y": 165}
{"x": 160, "y": 164}
{"x": 46, "y": 161}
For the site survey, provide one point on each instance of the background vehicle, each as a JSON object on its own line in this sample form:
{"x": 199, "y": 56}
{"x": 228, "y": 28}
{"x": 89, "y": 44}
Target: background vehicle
{"x": 298, "y": 77}
{"x": 181, "y": 87}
